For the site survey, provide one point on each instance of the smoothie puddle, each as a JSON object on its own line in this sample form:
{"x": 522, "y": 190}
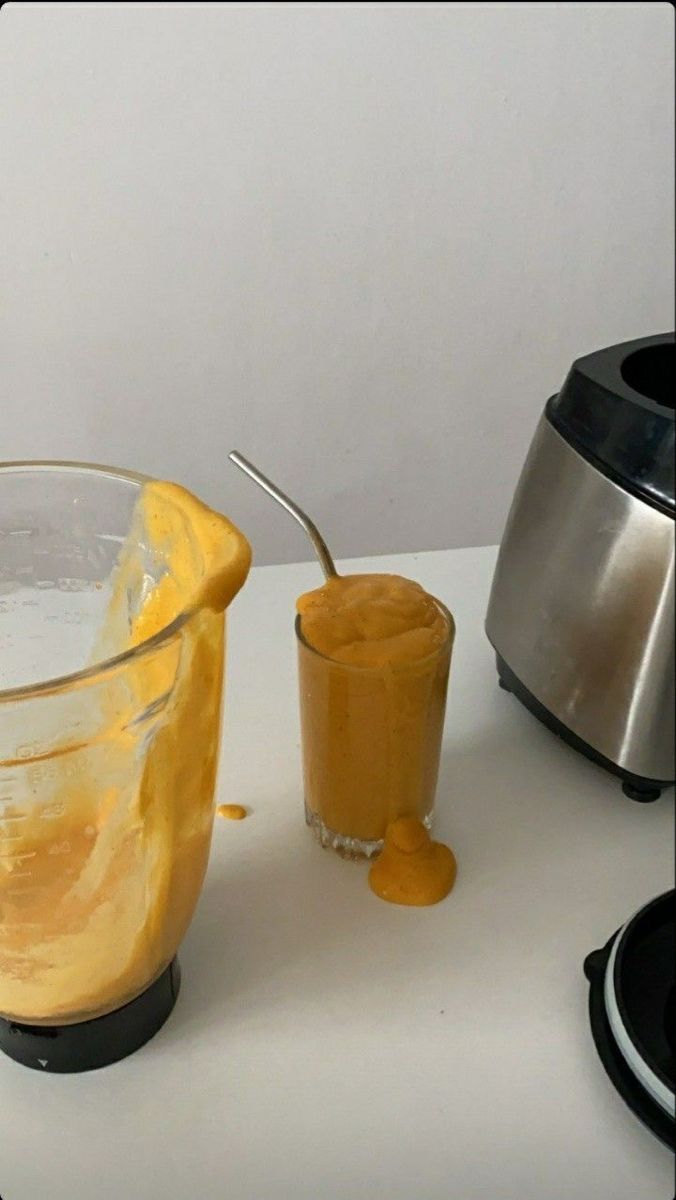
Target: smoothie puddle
{"x": 232, "y": 812}
{"x": 412, "y": 869}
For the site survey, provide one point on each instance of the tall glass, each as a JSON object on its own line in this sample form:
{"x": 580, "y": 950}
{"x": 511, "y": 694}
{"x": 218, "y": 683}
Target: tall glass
{"x": 371, "y": 741}
{"x": 108, "y": 754}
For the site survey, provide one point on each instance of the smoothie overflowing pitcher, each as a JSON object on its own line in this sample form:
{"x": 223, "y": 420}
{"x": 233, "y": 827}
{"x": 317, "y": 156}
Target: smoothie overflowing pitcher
{"x": 113, "y": 591}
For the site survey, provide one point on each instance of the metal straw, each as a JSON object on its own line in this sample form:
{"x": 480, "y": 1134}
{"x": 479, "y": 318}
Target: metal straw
{"x": 320, "y": 547}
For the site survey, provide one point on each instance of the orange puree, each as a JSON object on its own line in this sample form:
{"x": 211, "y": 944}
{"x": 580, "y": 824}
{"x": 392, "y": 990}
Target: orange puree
{"x": 232, "y": 812}
{"x": 373, "y": 620}
{"x": 412, "y": 869}
{"x": 110, "y": 880}
{"x": 374, "y": 654}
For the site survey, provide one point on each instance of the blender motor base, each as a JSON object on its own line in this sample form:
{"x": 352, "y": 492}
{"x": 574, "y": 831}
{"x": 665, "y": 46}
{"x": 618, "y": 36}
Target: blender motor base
{"x": 67, "y": 1049}
{"x": 633, "y": 786}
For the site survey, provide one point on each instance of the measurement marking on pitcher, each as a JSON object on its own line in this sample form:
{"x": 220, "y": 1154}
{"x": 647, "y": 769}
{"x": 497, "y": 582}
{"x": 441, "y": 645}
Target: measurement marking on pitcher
{"x": 17, "y": 857}
{"x": 51, "y": 811}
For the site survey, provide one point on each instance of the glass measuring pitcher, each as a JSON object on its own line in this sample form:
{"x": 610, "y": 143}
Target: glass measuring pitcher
{"x": 108, "y": 745}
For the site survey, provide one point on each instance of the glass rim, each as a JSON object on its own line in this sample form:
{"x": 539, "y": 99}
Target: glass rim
{"x": 337, "y": 662}
{"x": 73, "y": 679}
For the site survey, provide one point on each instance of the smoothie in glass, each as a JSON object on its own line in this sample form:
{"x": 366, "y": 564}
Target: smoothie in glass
{"x": 374, "y": 654}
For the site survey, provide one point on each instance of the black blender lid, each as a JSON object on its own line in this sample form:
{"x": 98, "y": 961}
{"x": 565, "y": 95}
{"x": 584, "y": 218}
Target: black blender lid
{"x": 616, "y": 408}
{"x": 631, "y": 1008}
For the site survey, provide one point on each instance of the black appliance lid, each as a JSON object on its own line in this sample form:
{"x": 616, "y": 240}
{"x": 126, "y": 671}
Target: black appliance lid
{"x": 616, "y": 408}
{"x": 631, "y": 1005}
{"x": 638, "y": 992}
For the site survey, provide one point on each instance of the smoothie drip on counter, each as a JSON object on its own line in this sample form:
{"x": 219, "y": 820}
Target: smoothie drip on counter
{"x": 232, "y": 812}
{"x": 412, "y": 869}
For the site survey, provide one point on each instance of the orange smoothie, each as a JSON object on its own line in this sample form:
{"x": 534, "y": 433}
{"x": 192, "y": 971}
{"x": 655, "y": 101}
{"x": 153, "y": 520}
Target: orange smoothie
{"x": 374, "y": 655}
{"x": 412, "y": 869}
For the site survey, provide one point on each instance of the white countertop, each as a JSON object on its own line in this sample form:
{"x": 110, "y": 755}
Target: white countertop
{"x": 328, "y": 1046}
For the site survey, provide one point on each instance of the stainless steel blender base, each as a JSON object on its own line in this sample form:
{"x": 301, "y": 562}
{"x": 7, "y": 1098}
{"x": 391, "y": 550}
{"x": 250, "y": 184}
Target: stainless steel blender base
{"x": 635, "y": 786}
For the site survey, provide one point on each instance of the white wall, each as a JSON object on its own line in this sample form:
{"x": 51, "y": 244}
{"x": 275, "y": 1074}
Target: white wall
{"x": 360, "y": 242}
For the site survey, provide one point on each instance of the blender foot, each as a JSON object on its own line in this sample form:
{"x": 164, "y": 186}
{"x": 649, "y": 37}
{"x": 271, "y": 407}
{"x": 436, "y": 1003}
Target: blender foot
{"x": 643, "y": 794}
{"x": 67, "y": 1049}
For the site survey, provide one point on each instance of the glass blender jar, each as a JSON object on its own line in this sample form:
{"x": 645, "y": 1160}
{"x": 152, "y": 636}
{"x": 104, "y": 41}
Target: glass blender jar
{"x": 108, "y": 757}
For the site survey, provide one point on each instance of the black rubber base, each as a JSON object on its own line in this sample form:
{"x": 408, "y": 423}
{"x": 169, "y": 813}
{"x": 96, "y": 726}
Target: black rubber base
{"x": 625, "y": 1082}
{"x": 634, "y": 786}
{"x": 68, "y": 1049}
